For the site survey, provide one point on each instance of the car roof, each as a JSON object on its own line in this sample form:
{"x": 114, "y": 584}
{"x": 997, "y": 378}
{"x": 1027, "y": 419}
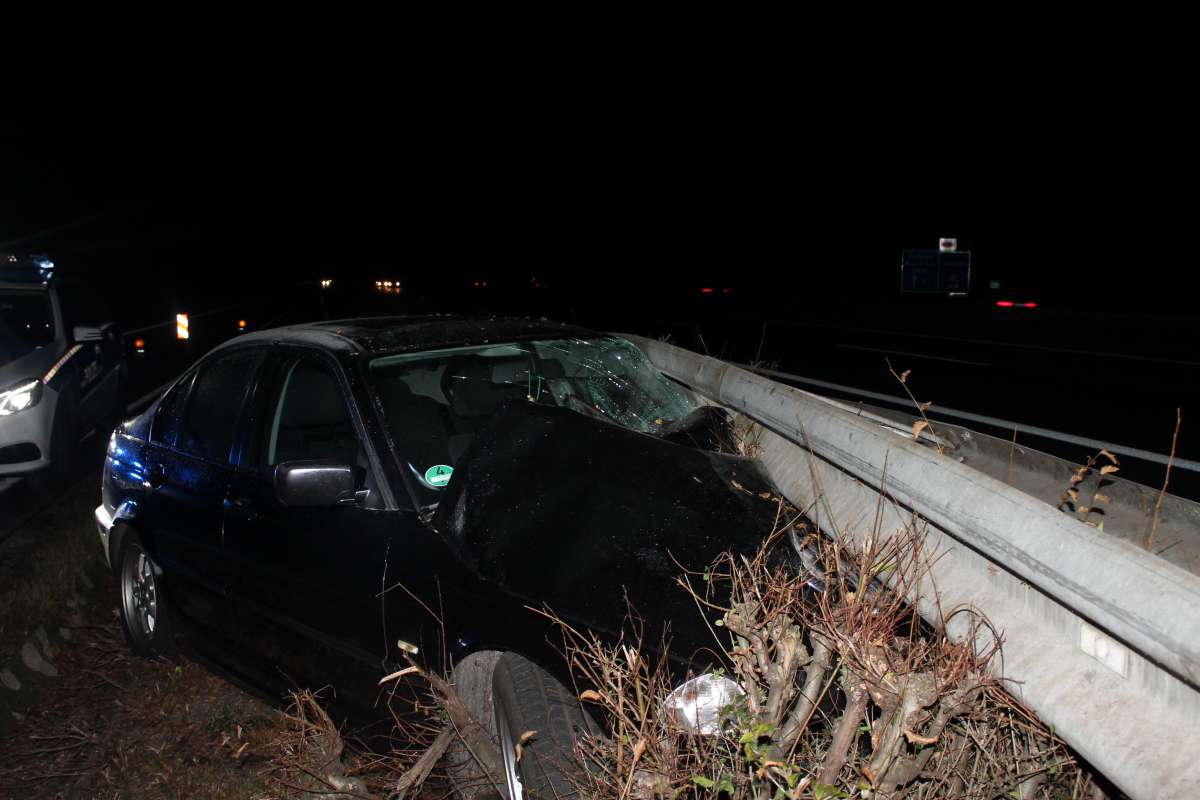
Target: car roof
{"x": 378, "y": 335}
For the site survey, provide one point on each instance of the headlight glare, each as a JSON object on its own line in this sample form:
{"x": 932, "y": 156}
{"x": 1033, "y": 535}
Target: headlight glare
{"x": 21, "y": 396}
{"x": 696, "y": 705}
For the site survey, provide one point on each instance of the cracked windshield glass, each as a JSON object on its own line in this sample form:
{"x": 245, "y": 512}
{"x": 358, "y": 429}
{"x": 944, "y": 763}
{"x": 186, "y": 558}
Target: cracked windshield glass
{"x": 434, "y": 403}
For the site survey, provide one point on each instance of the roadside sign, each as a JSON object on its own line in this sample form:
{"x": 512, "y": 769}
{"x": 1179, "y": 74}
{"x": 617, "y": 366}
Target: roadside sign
{"x": 947, "y": 245}
{"x": 181, "y": 326}
{"x": 935, "y": 272}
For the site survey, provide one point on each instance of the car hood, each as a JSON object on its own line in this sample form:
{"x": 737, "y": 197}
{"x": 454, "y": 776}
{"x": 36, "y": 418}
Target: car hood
{"x": 33, "y": 364}
{"x": 577, "y": 514}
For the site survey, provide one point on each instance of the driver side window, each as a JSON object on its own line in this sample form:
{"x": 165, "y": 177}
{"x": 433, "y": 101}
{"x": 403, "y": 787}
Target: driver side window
{"x": 307, "y": 417}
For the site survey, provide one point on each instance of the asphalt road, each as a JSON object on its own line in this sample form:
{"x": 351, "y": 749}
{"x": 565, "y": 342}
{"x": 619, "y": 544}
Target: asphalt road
{"x": 22, "y": 499}
{"x": 1116, "y": 380}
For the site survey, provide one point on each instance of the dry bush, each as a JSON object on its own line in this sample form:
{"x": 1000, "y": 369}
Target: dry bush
{"x": 1070, "y": 500}
{"x": 742, "y": 436}
{"x": 308, "y": 756}
{"x": 846, "y": 692}
{"x": 840, "y": 691}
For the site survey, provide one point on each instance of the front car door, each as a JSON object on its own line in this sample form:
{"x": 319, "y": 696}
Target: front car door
{"x": 97, "y": 363}
{"x": 311, "y": 578}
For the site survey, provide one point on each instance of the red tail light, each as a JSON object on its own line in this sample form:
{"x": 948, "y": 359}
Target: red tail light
{"x": 1030, "y": 305}
{"x": 706, "y": 290}
{"x": 1005, "y": 303}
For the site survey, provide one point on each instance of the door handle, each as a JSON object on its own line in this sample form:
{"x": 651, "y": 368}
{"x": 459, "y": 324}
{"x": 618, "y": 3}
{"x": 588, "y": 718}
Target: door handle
{"x": 242, "y": 505}
{"x": 156, "y": 476}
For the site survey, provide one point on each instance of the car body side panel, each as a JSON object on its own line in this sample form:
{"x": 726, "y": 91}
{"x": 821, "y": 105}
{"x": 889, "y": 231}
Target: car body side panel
{"x": 337, "y": 588}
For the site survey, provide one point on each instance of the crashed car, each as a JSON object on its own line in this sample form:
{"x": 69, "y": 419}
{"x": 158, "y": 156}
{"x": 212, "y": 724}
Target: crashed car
{"x": 308, "y": 506}
{"x": 62, "y": 367}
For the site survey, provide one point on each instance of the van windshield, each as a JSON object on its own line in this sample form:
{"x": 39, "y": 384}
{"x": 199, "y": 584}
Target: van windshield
{"x": 26, "y": 323}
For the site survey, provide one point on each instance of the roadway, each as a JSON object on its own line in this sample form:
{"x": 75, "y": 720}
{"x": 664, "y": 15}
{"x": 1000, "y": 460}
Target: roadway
{"x": 1109, "y": 378}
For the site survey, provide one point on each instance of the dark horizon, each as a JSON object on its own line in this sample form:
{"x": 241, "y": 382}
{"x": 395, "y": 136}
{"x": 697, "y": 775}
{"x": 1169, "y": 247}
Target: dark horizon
{"x": 264, "y": 203}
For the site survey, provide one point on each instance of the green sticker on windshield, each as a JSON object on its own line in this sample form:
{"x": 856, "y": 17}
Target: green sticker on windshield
{"x": 438, "y": 475}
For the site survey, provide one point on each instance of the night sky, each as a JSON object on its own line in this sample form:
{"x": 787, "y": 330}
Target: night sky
{"x": 602, "y": 206}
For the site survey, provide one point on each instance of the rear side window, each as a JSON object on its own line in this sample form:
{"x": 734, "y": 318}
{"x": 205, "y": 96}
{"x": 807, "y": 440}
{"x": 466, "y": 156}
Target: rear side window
{"x": 166, "y": 419}
{"x": 208, "y": 424}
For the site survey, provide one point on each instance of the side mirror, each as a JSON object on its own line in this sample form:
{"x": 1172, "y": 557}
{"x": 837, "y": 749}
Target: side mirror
{"x": 317, "y": 484}
{"x": 87, "y": 333}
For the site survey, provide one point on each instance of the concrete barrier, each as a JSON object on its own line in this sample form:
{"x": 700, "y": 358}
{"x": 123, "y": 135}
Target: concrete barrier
{"x": 1101, "y": 638}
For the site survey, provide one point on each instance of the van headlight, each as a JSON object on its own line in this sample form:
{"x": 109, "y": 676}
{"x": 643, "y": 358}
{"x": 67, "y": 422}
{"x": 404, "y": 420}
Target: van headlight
{"x": 20, "y": 396}
{"x": 696, "y": 705}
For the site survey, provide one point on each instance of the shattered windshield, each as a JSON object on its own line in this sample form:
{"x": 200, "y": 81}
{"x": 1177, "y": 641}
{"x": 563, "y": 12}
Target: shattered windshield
{"x": 26, "y": 323}
{"x": 435, "y": 402}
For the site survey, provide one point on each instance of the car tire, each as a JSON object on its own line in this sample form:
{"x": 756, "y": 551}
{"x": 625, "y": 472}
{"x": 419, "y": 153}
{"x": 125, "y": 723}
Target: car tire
{"x": 472, "y": 680}
{"x": 145, "y": 615}
{"x": 527, "y": 698}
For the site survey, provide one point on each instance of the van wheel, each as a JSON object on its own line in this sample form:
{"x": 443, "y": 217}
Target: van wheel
{"x": 63, "y": 440}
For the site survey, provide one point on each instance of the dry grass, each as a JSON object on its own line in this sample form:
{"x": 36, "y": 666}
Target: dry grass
{"x": 846, "y": 693}
{"x": 41, "y": 561}
{"x": 118, "y": 726}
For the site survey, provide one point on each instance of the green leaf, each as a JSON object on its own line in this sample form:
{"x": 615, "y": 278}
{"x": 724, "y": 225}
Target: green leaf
{"x": 702, "y": 782}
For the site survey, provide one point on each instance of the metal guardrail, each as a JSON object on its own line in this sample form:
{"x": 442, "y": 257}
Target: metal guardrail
{"x": 1008, "y": 425}
{"x": 171, "y": 323}
{"x": 1100, "y": 637}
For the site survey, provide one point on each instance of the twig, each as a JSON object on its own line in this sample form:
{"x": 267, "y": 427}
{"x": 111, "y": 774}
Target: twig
{"x": 1166, "y": 480}
{"x": 903, "y": 379}
{"x": 1012, "y": 452}
{"x": 415, "y": 777}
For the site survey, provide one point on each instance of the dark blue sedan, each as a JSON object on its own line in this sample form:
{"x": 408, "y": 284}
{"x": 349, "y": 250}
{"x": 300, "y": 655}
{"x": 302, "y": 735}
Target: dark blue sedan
{"x": 307, "y": 505}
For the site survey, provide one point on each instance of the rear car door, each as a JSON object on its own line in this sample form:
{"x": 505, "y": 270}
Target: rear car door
{"x": 188, "y": 480}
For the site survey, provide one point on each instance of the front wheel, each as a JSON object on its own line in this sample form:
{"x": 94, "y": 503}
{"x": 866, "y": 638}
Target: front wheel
{"x": 529, "y": 699}
{"x": 143, "y": 609}
{"x": 63, "y": 444}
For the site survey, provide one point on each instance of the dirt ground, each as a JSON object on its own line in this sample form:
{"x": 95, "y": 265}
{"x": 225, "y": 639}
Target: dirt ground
{"x": 119, "y": 726}
{"x": 111, "y": 725}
